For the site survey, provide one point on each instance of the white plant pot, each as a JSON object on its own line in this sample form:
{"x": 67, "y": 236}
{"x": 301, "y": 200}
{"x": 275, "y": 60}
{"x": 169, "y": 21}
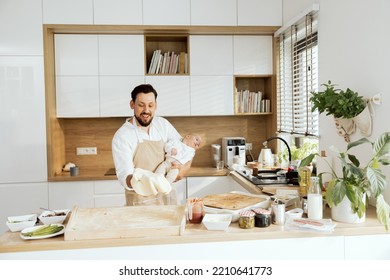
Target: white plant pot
{"x": 343, "y": 213}
{"x": 345, "y": 126}
{"x": 363, "y": 122}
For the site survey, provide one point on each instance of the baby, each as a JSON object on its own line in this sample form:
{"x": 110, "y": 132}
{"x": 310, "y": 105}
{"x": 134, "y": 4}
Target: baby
{"x": 178, "y": 152}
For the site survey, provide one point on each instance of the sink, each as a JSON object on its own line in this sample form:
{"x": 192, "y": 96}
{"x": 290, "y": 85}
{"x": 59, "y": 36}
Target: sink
{"x": 270, "y": 177}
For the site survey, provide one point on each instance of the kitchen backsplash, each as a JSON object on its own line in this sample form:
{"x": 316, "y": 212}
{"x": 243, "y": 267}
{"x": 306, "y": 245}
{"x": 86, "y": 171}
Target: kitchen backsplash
{"x": 98, "y": 132}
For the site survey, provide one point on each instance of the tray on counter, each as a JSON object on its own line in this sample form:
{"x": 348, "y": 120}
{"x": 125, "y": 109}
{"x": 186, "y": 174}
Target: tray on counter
{"x": 263, "y": 201}
{"x": 125, "y": 222}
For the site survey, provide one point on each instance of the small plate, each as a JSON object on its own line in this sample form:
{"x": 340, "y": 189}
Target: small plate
{"x": 43, "y": 236}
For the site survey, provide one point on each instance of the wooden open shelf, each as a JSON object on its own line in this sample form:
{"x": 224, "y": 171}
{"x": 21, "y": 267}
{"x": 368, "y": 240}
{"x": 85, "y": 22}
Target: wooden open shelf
{"x": 166, "y": 43}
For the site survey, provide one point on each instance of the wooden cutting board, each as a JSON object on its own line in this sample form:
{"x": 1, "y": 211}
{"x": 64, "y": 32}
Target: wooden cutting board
{"x": 231, "y": 201}
{"x": 124, "y": 222}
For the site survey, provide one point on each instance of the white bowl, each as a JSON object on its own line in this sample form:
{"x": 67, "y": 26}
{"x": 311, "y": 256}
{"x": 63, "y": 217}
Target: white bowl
{"x": 294, "y": 213}
{"x": 18, "y": 223}
{"x": 217, "y": 221}
{"x": 49, "y": 217}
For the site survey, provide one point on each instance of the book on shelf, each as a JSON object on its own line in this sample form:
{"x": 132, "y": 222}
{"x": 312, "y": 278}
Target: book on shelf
{"x": 155, "y": 61}
{"x": 168, "y": 63}
{"x": 249, "y": 102}
{"x": 151, "y": 62}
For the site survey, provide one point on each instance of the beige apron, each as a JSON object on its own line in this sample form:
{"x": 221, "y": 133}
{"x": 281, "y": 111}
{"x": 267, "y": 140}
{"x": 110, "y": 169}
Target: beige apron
{"x": 148, "y": 155}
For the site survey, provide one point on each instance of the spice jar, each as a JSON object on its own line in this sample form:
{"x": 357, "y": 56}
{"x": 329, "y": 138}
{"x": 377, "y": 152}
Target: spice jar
{"x": 247, "y": 219}
{"x": 263, "y": 217}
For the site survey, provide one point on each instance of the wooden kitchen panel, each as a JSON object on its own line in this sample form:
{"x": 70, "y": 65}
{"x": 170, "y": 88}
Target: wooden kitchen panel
{"x": 98, "y": 132}
{"x": 125, "y": 222}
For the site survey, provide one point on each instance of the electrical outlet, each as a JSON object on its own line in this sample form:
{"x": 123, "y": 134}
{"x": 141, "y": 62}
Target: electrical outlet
{"x": 86, "y": 151}
{"x": 248, "y": 146}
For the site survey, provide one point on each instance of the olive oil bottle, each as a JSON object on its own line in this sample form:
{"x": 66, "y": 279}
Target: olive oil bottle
{"x": 304, "y": 174}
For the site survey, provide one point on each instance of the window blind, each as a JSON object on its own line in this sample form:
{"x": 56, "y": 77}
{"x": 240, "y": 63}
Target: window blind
{"x": 297, "y": 77}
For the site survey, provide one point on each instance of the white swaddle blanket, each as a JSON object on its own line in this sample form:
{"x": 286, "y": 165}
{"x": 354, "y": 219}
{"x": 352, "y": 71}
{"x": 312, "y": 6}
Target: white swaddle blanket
{"x": 145, "y": 182}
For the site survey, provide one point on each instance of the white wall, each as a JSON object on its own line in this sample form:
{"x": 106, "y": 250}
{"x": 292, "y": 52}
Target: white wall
{"x": 354, "y": 53}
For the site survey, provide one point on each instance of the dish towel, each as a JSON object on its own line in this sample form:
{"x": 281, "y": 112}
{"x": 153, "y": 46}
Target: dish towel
{"x": 145, "y": 182}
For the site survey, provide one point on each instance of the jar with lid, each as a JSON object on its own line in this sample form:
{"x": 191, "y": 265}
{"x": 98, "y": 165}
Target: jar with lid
{"x": 314, "y": 200}
{"x": 247, "y": 219}
{"x": 263, "y": 217}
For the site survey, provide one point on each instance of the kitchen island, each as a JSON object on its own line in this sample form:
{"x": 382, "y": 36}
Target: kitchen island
{"x": 367, "y": 240}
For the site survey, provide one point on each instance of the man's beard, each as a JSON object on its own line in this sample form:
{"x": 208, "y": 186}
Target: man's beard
{"x": 143, "y": 123}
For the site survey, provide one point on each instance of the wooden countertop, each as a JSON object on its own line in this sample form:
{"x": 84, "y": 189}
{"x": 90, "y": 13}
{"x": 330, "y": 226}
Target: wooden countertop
{"x": 109, "y": 174}
{"x": 11, "y": 241}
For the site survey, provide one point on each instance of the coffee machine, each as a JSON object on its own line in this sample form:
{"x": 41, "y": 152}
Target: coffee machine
{"x": 233, "y": 151}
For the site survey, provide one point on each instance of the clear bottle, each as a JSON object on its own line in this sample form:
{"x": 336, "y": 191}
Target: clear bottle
{"x": 314, "y": 200}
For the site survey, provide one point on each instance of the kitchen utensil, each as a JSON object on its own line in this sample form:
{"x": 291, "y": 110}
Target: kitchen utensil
{"x": 18, "y": 223}
{"x": 216, "y": 153}
{"x": 231, "y": 201}
{"x": 125, "y": 222}
{"x": 74, "y": 171}
{"x": 217, "y": 221}
{"x": 265, "y": 157}
{"x": 53, "y": 217}
{"x": 278, "y": 212}
{"x": 236, "y": 213}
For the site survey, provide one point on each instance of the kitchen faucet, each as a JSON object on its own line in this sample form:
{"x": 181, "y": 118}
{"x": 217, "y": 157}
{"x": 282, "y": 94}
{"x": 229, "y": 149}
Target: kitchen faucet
{"x": 292, "y": 174}
{"x": 284, "y": 141}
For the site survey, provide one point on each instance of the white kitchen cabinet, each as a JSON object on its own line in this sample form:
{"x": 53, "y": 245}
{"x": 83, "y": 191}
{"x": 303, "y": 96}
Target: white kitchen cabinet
{"x": 173, "y": 94}
{"x": 202, "y": 186}
{"x": 77, "y": 96}
{"x": 109, "y": 193}
{"x": 259, "y": 12}
{"x": 22, "y": 114}
{"x": 212, "y": 95}
{"x": 252, "y": 55}
{"x": 368, "y": 247}
{"x": 216, "y": 12}
{"x": 115, "y": 94}
{"x": 76, "y": 54}
{"x": 121, "y": 12}
{"x": 211, "y": 55}
{"x": 121, "y": 55}
{"x": 167, "y": 12}
{"x": 21, "y": 199}
{"x": 235, "y": 186}
{"x": 68, "y": 12}
{"x": 66, "y": 195}
{"x": 21, "y": 27}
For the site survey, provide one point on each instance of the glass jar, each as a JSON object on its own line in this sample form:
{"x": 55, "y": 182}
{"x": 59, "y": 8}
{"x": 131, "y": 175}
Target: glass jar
{"x": 246, "y": 220}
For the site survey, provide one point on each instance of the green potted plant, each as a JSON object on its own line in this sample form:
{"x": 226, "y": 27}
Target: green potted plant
{"x": 358, "y": 183}
{"x": 297, "y": 154}
{"x": 339, "y": 103}
{"x": 347, "y": 107}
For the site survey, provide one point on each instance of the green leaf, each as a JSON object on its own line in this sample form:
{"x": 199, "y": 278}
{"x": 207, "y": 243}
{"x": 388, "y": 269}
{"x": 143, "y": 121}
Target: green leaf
{"x": 377, "y": 180}
{"x": 339, "y": 191}
{"x": 384, "y": 160}
{"x": 383, "y": 211}
{"x": 357, "y": 143}
{"x": 329, "y": 192}
{"x": 354, "y": 160}
{"x": 307, "y": 160}
{"x": 382, "y": 144}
